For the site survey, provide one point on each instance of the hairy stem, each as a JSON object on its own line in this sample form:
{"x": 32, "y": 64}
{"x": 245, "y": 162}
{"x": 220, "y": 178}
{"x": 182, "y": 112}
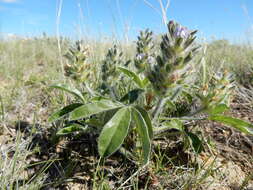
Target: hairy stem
{"x": 158, "y": 108}
{"x": 199, "y": 110}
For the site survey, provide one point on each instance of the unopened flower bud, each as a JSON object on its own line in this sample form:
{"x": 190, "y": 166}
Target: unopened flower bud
{"x": 151, "y": 60}
{"x": 182, "y": 32}
{"x": 171, "y": 22}
{"x": 140, "y": 56}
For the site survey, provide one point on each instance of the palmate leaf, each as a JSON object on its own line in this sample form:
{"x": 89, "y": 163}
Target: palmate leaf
{"x": 133, "y": 76}
{"x": 94, "y": 108}
{"x": 62, "y": 112}
{"x": 74, "y": 127}
{"x": 143, "y": 132}
{"x": 114, "y": 132}
{"x": 70, "y": 90}
{"x": 238, "y": 124}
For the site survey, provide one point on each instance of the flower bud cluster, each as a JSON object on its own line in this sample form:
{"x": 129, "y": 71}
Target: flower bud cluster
{"x": 113, "y": 59}
{"x": 177, "y": 49}
{"x": 77, "y": 67}
{"x": 144, "y": 51}
{"x": 218, "y": 90}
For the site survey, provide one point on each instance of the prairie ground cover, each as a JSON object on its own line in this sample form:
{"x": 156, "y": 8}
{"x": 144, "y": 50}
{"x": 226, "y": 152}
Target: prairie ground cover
{"x": 42, "y": 150}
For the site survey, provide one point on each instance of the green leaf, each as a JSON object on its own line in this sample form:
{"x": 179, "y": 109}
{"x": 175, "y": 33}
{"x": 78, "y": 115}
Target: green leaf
{"x": 147, "y": 119}
{"x": 175, "y": 124}
{"x": 62, "y": 112}
{"x": 132, "y": 95}
{"x": 99, "y": 98}
{"x": 170, "y": 105}
{"x": 106, "y": 116}
{"x": 188, "y": 95}
{"x": 69, "y": 89}
{"x": 93, "y": 108}
{"x": 218, "y": 109}
{"x": 114, "y": 132}
{"x": 195, "y": 142}
{"x": 71, "y": 129}
{"x": 133, "y": 76}
{"x": 95, "y": 122}
{"x": 238, "y": 124}
{"x": 172, "y": 124}
{"x": 143, "y": 132}
{"x": 145, "y": 81}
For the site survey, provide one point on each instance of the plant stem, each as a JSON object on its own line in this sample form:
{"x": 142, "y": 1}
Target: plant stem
{"x": 158, "y": 134}
{"x": 58, "y": 18}
{"x": 158, "y": 108}
{"x": 183, "y": 118}
{"x": 200, "y": 109}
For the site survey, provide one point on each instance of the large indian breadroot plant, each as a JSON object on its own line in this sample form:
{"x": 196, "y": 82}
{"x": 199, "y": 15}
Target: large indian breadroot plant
{"x": 158, "y": 79}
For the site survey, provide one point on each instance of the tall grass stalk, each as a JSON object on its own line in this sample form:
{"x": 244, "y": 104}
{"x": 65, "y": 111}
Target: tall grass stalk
{"x": 2, "y": 108}
{"x": 163, "y": 9}
{"x": 58, "y": 19}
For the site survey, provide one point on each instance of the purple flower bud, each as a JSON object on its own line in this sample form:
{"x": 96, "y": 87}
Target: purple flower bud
{"x": 182, "y": 32}
{"x": 151, "y": 60}
{"x": 171, "y": 22}
{"x": 140, "y": 56}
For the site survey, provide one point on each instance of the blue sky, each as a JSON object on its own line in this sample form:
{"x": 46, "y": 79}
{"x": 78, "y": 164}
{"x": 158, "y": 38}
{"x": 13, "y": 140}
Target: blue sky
{"x": 231, "y": 19}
